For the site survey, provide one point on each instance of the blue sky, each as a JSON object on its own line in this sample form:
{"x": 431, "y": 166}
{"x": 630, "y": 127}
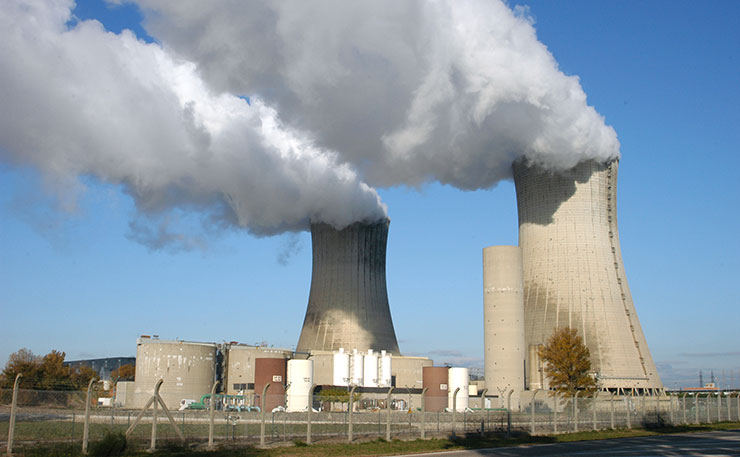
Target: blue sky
{"x": 665, "y": 75}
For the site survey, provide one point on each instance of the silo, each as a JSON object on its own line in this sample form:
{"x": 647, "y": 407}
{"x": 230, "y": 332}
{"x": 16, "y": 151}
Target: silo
{"x": 340, "y": 368}
{"x": 370, "y": 369}
{"x": 435, "y": 380}
{"x": 348, "y": 302}
{"x": 386, "y": 376}
{"x": 300, "y": 380}
{"x": 187, "y": 368}
{"x": 503, "y": 319}
{"x": 458, "y": 377}
{"x": 272, "y": 371}
{"x": 357, "y": 368}
{"x": 573, "y": 270}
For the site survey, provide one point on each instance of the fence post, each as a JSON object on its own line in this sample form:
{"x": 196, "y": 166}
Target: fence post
{"x": 349, "y": 410}
{"x": 670, "y": 408}
{"x": 310, "y": 412}
{"x": 13, "y": 408}
{"x": 262, "y": 414}
{"x": 508, "y": 413}
{"x": 719, "y": 406}
{"x": 423, "y": 413}
{"x": 211, "y": 412}
{"x": 593, "y": 410}
{"x": 738, "y": 406}
{"x": 696, "y": 408}
{"x": 683, "y": 408}
{"x": 86, "y": 427}
{"x": 629, "y": 409}
{"x": 454, "y": 411}
{"x": 575, "y": 411}
{"x": 555, "y": 412}
{"x": 709, "y": 413}
{"x": 611, "y": 408}
{"x": 155, "y": 405}
{"x": 388, "y": 415}
{"x": 534, "y": 394}
{"x": 482, "y": 408}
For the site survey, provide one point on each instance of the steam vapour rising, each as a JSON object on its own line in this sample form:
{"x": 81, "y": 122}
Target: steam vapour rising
{"x": 340, "y": 94}
{"x": 408, "y": 92}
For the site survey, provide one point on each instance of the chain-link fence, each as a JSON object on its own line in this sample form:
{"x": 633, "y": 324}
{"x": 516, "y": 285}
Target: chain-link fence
{"x": 60, "y": 416}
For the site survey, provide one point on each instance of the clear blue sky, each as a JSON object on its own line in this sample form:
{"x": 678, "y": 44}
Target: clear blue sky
{"x": 664, "y": 74}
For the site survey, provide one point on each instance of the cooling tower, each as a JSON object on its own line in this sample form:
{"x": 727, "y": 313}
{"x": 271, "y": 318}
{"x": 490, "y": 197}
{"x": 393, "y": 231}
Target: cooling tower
{"x": 573, "y": 270}
{"x": 348, "y": 302}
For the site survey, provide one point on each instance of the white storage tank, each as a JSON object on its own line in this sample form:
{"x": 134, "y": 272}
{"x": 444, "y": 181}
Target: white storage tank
{"x": 386, "y": 377}
{"x": 341, "y": 374}
{"x": 458, "y": 377}
{"x": 300, "y": 380}
{"x": 357, "y": 363}
{"x": 188, "y": 370}
{"x": 371, "y": 369}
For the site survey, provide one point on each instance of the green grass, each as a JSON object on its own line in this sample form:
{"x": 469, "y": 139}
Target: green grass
{"x": 376, "y": 447}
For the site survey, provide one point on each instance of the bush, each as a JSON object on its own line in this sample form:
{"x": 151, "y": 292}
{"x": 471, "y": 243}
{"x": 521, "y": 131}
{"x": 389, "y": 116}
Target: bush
{"x": 653, "y": 421}
{"x": 112, "y": 444}
{"x": 299, "y": 443}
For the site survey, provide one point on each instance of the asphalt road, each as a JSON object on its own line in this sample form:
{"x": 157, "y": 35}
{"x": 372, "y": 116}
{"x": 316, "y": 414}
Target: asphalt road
{"x": 719, "y": 443}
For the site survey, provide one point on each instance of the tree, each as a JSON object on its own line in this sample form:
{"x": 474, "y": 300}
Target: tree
{"x": 567, "y": 362}
{"x": 82, "y": 375}
{"x": 124, "y": 373}
{"x": 24, "y": 362}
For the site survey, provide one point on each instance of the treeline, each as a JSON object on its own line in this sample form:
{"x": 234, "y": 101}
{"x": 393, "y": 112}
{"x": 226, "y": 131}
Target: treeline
{"x": 44, "y": 372}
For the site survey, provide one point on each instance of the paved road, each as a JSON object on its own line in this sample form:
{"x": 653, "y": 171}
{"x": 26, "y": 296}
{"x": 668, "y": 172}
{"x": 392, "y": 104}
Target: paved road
{"x": 720, "y": 443}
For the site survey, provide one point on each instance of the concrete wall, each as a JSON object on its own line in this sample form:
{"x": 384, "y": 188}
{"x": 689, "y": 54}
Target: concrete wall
{"x": 573, "y": 270}
{"x": 348, "y": 303}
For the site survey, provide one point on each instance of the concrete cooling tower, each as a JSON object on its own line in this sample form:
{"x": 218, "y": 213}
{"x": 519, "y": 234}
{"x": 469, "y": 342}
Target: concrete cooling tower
{"x": 573, "y": 270}
{"x": 348, "y": 303}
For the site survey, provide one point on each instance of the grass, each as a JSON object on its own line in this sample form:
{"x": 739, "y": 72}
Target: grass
{"x": 379, "y": 446}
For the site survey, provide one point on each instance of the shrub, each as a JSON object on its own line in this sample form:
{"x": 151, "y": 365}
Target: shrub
{"x": 112, "y": 444}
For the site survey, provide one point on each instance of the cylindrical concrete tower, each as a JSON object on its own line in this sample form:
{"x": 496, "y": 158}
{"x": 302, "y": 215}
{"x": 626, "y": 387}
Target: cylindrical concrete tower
{"x": 503, "y": 319}
{"x": 348, "y": 302}
{"x": 573, "y": 270}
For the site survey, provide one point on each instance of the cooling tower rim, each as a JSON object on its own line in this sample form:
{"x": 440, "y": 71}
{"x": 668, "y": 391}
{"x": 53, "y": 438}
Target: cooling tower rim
{"x": 362, "y": 223}
{"x": 527, "y": 163}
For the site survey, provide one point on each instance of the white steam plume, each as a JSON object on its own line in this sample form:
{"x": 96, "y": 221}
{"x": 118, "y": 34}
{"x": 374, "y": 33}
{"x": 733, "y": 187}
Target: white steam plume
{"x": 80, "y": 101}
{"x": 408, "y": 91}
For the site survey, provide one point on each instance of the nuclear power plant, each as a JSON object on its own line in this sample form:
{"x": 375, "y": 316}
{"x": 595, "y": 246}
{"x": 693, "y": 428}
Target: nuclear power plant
{"x": 566, "y": 271}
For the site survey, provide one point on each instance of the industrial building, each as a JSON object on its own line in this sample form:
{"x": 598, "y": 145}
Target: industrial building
{"x": 566, "y": 271}
{"x": 190, "y": 369}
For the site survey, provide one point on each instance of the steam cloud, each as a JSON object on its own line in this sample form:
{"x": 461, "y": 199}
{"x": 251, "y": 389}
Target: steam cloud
{"x": 342, "y": 93}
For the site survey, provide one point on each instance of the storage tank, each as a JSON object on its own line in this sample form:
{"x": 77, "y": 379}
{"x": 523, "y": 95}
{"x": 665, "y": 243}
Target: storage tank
{"x": 573, "y": 270}
{"x": 357, "y": 362}
{"x": 386, "y": 365}
{"x": 435, "y": 380}
{"x": 340, "y": 369}
{"x": 458, "y": 377}
{"x": 503, "y": 319}
{"x": 371, "y": 369}
{"x": 187, "y": 368}
{"x": 348, "y": 302}
{"x": 272, "y": 371}
{"x": 300, "y": 380}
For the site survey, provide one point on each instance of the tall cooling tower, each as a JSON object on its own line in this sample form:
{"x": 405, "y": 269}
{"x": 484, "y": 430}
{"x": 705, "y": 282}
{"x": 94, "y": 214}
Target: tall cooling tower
{"x": 573, "y": 270}
{"x": 348, "y": 302}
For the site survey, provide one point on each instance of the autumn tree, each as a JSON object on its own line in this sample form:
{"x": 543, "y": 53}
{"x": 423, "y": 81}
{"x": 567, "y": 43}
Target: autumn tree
{"x": 567, "y": 362}
{"x": 124, "y": 373}
{"x": 24, "y": 362}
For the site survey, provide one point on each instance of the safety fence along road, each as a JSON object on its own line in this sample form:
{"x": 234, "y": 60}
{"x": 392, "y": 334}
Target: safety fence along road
{"x": 30, "y": 417}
